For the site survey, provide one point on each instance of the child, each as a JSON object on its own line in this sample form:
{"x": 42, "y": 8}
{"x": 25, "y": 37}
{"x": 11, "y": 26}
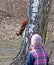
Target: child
{"x": 37, "y": 55}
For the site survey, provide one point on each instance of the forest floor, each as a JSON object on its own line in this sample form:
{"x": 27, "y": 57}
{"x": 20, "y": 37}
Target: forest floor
{"x": 8, "y": 51}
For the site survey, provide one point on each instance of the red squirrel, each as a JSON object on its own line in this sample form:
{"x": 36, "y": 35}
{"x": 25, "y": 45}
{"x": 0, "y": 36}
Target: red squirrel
{"x": 22, "y": 27}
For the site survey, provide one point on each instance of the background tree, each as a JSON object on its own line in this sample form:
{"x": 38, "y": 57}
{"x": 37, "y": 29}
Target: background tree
{"x": 38, "y": 20}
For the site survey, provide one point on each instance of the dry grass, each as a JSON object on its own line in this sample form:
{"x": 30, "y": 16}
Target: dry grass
{"x": 8, "y": 50}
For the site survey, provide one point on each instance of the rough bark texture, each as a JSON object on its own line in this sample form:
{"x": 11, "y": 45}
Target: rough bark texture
{"x": 44, "y": 22}
{"x": 37, "y": 15}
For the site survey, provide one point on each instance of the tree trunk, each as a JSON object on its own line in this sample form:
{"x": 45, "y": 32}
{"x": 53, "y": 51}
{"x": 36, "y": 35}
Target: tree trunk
{"x": 37, "y": 13}
{"x": 44, "y": 22}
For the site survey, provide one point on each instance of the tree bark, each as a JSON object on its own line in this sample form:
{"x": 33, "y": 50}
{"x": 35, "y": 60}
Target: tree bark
{"x": 36, "y": 24}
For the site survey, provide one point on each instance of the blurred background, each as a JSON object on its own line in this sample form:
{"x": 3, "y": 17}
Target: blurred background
{"x": 11, "y": 14}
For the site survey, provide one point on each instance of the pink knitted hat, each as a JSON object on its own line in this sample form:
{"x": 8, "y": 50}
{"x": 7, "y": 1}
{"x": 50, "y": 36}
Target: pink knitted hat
{"x": 36, "y": 40}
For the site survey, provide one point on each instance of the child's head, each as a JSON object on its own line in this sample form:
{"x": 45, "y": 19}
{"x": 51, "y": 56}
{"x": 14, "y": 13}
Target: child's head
{"x": 36, "y": 40}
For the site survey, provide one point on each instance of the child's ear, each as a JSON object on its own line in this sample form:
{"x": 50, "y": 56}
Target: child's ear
{"x": 22, "y": 27}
